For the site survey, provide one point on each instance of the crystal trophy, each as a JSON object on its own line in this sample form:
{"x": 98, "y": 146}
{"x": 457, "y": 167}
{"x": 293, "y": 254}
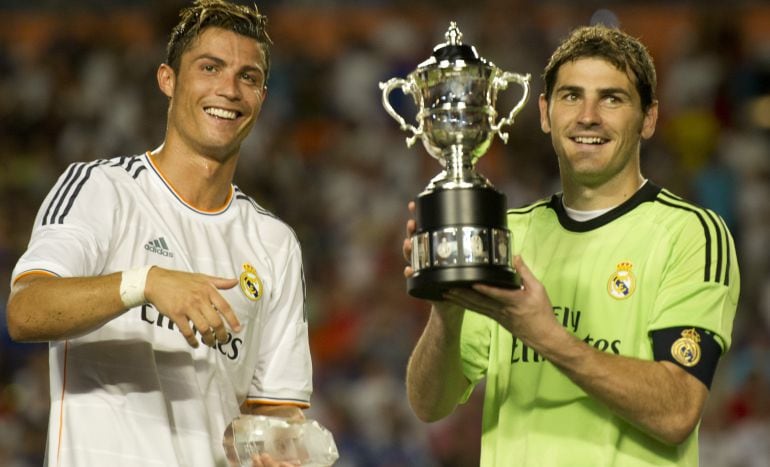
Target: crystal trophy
{"x": 304, "y": 442}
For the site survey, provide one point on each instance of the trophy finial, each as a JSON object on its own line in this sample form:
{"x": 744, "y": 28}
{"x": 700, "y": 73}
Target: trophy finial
{"x": 453, "y": 34}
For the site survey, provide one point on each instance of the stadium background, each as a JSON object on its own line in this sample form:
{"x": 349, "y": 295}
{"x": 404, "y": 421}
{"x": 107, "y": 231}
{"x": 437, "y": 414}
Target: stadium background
{"x": 77, "y": 83}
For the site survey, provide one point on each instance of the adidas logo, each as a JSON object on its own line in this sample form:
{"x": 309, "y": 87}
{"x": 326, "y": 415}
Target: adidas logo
{"x": 159, "y": 246}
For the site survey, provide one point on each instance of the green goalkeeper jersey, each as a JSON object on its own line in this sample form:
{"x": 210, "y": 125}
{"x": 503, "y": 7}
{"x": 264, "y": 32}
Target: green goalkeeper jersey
{"x": 654, "y": 262}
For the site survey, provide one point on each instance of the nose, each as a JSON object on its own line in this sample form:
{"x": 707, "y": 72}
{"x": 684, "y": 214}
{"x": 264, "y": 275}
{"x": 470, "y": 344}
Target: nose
{"x": 589, "y": 113}
{"x": 227, "y": 87}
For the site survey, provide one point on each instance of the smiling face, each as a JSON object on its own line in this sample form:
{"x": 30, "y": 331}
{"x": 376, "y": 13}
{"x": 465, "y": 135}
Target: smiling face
{"x": 596, "y": 123}
{"x": 217, "y": 94}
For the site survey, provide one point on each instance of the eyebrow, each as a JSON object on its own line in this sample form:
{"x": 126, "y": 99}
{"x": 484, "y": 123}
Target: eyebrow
{"x": 607, "y": 91}
{"x": 219, "y": 61}
{"x": 565, "y": 88}
{"x": 602, "y": 91}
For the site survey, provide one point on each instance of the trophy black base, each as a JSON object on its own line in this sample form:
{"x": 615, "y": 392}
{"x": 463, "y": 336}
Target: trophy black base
{"x": 431, "y": 284}
{"x": 461, "y": 239}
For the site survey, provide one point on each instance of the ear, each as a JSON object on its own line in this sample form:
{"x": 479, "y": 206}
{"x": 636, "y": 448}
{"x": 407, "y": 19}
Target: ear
{"x": 263, "y": 96}
{"x": 545, "y": 123}
{"x": 166, "y": 79}
{"x": 649, "y": 122}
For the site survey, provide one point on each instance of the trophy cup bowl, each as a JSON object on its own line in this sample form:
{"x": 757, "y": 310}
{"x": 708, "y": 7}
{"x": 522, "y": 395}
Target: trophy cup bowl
{"x": 462, "y": 236}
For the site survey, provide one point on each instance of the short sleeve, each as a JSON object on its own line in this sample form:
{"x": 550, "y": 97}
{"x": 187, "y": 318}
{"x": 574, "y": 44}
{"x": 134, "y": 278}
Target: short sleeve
{"x": 73, "y": 227}
{"x": 701, "y": 283}
{"x": 475, "y": 340}
{"x": 284, "y": 369}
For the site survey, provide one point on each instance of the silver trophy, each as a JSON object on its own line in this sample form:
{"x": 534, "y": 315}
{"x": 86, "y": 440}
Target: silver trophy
{"x": 462, "y": 236}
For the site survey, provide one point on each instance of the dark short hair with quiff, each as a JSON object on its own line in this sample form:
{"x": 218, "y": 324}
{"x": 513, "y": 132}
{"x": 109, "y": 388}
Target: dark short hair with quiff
{"x": 244, "y": 20}
{"x": 623, "y": 51}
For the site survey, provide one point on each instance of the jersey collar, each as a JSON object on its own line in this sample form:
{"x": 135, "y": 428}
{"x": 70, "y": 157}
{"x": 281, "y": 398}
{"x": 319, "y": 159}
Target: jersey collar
{"x": 179, "y": 197}
{"x": 648, "y": 192}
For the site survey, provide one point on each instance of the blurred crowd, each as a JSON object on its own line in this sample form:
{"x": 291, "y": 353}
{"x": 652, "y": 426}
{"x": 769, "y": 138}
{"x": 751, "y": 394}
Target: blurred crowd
{"x": 79, "y": 84}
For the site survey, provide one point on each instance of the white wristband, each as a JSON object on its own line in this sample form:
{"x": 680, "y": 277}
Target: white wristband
{"x": 132, "y": 284}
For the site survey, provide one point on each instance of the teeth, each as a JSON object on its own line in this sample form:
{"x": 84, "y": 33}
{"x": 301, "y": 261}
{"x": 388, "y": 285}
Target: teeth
{"x": 221, "y": 113}
{"x": 589, "y": 140}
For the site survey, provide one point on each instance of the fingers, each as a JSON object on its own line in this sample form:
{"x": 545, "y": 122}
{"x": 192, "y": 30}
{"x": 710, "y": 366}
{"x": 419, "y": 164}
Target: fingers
{"x": 411, "y": 228}
{"x": 209, "y": 337}
{"x": 194, "y": 303}
{"x": 497, "y": 293}
{"x": 212, "y": 327}
{"x": 406, "y": 249}
{"x": 473, "y": 300}
{"x": 504, "y": 295}
{"x": 265, "y": 460}
{"x": 523, "y": 270}
{"x": 261, "y": 460}
{"x": 184, "y": 327}
{"x": 223, "y": 309}
{"x": 256, "y": 460}
{"x": 222, "y": 283}
{"x": 200, "y": 322}
{"x": 212, "y": 311}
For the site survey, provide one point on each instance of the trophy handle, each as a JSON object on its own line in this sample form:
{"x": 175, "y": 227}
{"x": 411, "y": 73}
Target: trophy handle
{"x": 500, "y": 82}
{"x": 407, "y": 87}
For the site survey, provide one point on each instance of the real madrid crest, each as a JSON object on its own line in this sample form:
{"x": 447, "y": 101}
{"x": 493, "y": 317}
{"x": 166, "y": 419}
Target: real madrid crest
{"x": 251, "y": 284}
{"x": 622, "y": 282}
{"x": 686, "y": 349}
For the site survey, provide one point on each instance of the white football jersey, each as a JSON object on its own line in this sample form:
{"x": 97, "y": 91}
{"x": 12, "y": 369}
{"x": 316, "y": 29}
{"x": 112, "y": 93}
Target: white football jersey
{"x": 133, "y": 392}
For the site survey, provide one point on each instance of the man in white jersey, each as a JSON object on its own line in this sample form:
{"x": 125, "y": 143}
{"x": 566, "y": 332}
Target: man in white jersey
{"x": 134, "y": 262}
{"x": 604, "y": 357}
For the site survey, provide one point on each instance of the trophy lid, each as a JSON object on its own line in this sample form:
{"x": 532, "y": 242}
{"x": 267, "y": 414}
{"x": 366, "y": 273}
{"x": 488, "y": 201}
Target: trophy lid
{"x": 453, "y": 51}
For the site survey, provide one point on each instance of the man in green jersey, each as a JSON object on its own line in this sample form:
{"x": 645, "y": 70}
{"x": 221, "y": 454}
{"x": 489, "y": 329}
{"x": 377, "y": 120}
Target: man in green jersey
{"x": 605, "y": 356}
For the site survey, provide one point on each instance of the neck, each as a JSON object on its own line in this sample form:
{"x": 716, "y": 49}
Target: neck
{"x": 202, "y": 181}
{"x": 606, "y": 195}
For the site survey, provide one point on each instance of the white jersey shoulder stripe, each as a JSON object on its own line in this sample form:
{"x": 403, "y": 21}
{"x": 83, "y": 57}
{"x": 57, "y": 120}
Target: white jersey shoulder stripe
{"x": 67, "y": 191}
{"x": 70, "y": 185}
{"x": 244, "y": 197}
{"x": 128, "y": 162}
{"x": 240, "y": 195}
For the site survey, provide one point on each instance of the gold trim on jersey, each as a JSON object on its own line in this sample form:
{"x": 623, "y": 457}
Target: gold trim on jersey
{"x": 181, "y": 198}
{"x": 273, "y": 403}
{"x": 33, "y": 272}
{"x": 686, "y": 349}
{"x": 622, "y": 283}
{"x": 251, "y": 284}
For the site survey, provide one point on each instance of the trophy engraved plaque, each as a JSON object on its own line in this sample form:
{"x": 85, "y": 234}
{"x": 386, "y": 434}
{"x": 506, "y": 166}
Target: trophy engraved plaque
{"x": 462, "y": 236}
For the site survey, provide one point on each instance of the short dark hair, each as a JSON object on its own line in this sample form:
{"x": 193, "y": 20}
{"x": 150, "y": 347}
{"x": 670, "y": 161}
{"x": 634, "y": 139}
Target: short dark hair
{"x": 241, "y": 19}
{"x": 625, "y": 52}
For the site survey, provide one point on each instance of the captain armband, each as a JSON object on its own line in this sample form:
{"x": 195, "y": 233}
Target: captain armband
{"x": 693, "y": 349}
{"x": 132, "y": 284}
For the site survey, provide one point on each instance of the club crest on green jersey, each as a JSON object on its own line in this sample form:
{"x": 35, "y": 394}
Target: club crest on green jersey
{"x": 622, "y": 282}
{"x": 251, "y": 284}
{"x": 686, "y": 349}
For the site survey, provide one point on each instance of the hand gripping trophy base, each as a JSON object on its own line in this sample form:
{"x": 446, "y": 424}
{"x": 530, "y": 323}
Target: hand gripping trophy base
{"x": 461, "y": 240}
{"x": 431, "y": 285}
